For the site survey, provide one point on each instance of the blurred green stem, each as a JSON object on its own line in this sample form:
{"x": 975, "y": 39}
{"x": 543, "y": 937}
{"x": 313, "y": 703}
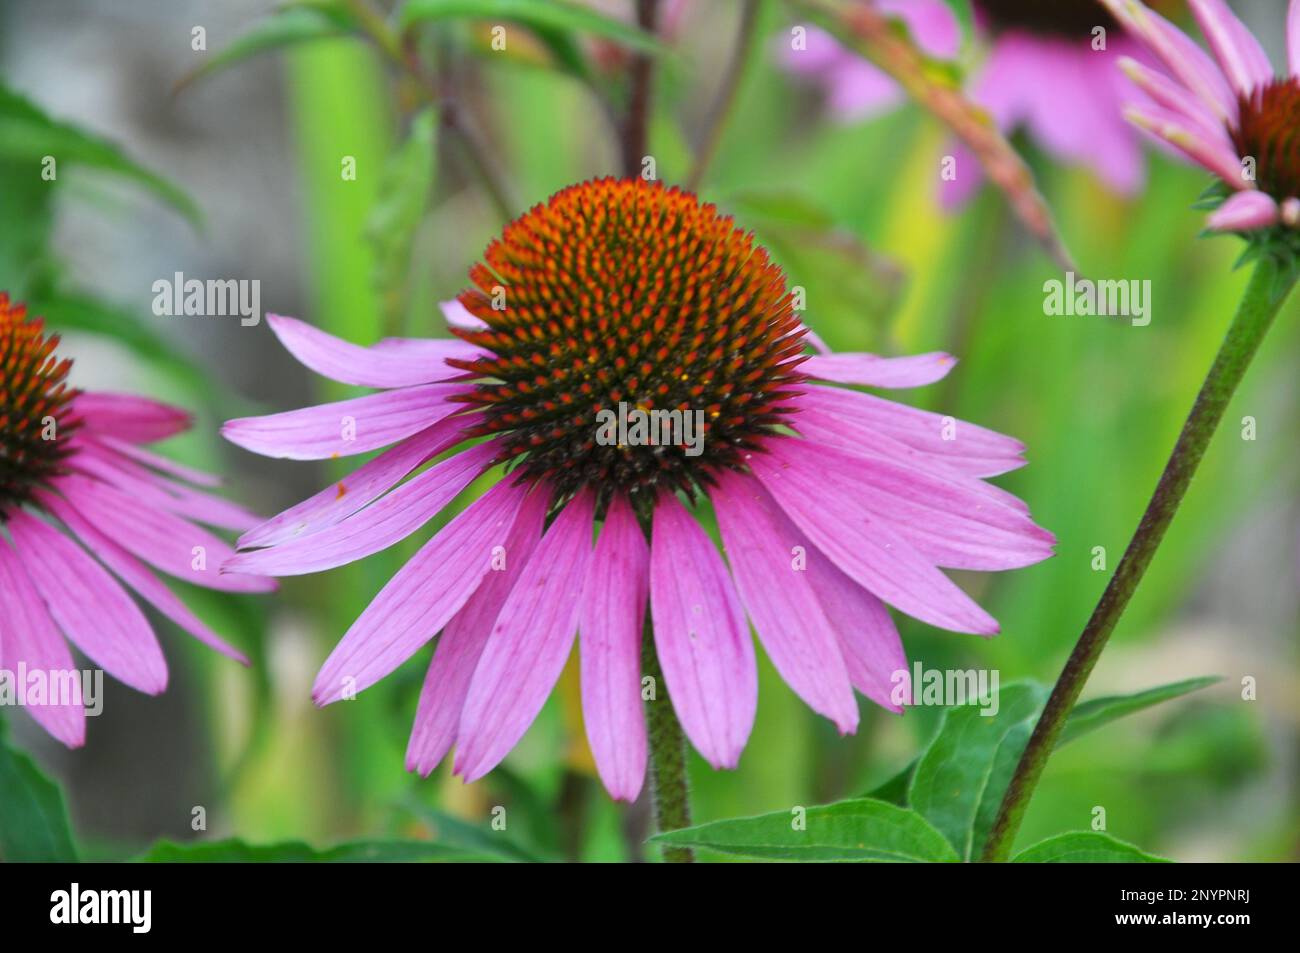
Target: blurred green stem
{"x": 726, "y": 98}
{"x": 1269, "y": 286}
{"x": 669, "y": 787}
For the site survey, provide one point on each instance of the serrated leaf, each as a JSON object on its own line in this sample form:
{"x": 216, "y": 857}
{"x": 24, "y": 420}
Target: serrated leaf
{"x": 1085, "y": 847}
{"x": 960, "y": 780}
{"x": 405, "y": 184}
{"x": 235, "y": 851}
{"x": 1091, "y": 715}
{"x": 539, "y": 15}
{"x": 28, "y": 135}
{"x": 33, "y": 820}
{"x": 857, "y": 830}
{"x": 288, "y": 27}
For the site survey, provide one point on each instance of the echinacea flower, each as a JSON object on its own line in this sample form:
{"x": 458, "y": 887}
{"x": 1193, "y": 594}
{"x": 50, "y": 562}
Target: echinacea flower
{"x": 1237, "y": 117}
{"x": 831, "y": 503}
{"x": 81, "y": 502}
{"x": 1042, "y": 73}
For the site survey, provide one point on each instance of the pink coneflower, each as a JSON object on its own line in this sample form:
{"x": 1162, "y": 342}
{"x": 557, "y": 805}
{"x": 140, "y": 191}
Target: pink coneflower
{"x": 831, "y": 503}
{"x": 1238, "y": 118}
{"x": 82, "y": 501}
{"x": 1042, "y": 73}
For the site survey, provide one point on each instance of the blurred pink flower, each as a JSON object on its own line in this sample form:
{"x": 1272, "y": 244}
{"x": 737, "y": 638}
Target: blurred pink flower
{"x": 1041, "y": 74}
{"x": 830, "y": 502}
{"x": 1237, "y": 117}
{"x": 82, "y": 501}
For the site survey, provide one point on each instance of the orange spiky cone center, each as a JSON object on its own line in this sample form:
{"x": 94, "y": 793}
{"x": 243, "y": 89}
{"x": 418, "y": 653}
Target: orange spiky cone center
{"x": 1268, "y": 130}
{"x": 625, "y": 292}
{"x": 35, "y": 406}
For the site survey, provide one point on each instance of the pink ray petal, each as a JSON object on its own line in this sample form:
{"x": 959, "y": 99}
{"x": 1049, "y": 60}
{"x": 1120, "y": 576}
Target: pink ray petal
{"x": 1243, "y": 60}
{"x": 456, "y": 655}
{"x": 1243, "y": 212}
{"x": 613, "y": 614}
{"x": 93, "y": 611}
{"x": 763, "y": 549}
{"x": 29, "y": 637}
{"x": 129, "y": 418}
{"x": 700, "y": 634}
{"x": 1174, "y": 97}
{"x": 871, "y": 370}
{"x": 1185, "y": 135}
{"x": 162, "y": 539}
{"x": 158, "y": 462}
{"x": 345, "y": 428}
{"x": 530, "y": 642}
{"x": 865, "y": 547}
{"x": 400, "y": 363}
{"x": 134, "y": 574}
{"x": 873, "y": 651}
{"x": 422, "y": 597}
{"x": 1293, "y": 37}
{"x": 340, "y": 500}
{"x": 393, "y": 518}
{"x": 458, "y": 316}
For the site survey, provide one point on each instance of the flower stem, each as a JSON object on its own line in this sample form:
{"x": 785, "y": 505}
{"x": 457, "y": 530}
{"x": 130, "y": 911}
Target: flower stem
{"x": 726, "y": 98}
{"x": 636, "y": 125}
{"x": 671, "y": 792}
{"x": 1269, "y": 286}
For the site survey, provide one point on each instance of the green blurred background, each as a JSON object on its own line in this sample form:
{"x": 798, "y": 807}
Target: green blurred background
{"x": 850, "y": 211}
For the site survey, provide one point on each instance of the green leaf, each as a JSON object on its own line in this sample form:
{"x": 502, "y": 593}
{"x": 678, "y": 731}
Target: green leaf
{"x": 894, "y": 790}
{"x": 543, "y": 16}
{"x": 33, "y": 821}
{"x": 235, "y": 851}
{"x": 861, "y": 829}
{"x": 458, "y": 834}
{"x": 961, "y": 778}
{"x": 405, "y": 184}
{"x": 288, "y": 27}
{"x": 1085, "y": 847}
{"x": 1091, "y": 715}
{"x": 28, "y": 135}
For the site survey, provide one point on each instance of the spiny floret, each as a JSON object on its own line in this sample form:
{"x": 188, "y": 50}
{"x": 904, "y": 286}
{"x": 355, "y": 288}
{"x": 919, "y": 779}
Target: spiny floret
{"x": 1269, "y": 132}
{"x": 625, "y": 291}
{"x": 35, "y": 417}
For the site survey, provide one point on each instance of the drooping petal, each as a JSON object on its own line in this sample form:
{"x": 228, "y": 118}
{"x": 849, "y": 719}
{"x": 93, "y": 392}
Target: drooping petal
{"x": 340, "y": 500}
{"x": 129, "y": 418}
{"x": 344, "y": 428}
{"x": 1243, "y": 60}
{"x": 978, "y": 448}
{"x": 701, "y": 636}
{"x": 529, "y": 644}
{"x": 134, "y": 574}
{"x": 1244, "y": 211}
{"x": 871, "y": 370}
{"x": 375, "y": 528}
{"x": 1293, "y": 37}
{"x": 763, "y": 549}
{"x": 873, "y": 651}
{"x": 437, "y": 717}
{"x": 1187, "y": 61}
{"x": 1185, "y": 135}
{"x": 90, "y": 607}
{"x": 400, "y": 363}
{"x": 613, "y": 615}
{"x": 157, "y": 461}
{"x": 950, "y": 519}
{"x": 420, "y": 599}
{"x": 162, "y": 539}
{"x": 865, "y": 547}
{"x": 29, "y": 637}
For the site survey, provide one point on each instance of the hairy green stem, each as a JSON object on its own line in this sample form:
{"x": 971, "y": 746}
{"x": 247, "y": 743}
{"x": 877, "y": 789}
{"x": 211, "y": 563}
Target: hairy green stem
{"x": 669, "y": 786}
{"x": 1269, "y": 286}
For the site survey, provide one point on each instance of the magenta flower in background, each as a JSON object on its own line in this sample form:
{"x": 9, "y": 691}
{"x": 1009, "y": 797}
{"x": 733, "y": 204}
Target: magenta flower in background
{"x": 624, "y": 296}
{"x": 1041, "y": 74}
{"x": 81, "y": 502}
{"x": 1236, "y": 117}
